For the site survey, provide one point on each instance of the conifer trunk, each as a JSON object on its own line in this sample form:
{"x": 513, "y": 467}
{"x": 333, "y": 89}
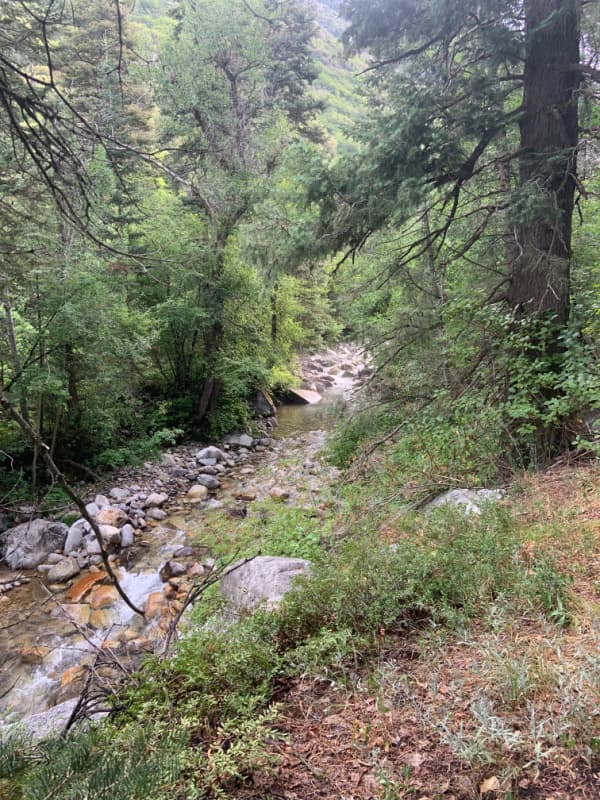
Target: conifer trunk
{"x": 539, "y": 283}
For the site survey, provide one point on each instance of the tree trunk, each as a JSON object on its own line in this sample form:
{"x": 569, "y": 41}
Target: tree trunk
{"x": 539, "y": 283}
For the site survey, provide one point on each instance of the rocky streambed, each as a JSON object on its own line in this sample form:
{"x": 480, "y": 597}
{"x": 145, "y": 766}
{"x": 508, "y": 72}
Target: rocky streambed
{"x": 61, "y": 610}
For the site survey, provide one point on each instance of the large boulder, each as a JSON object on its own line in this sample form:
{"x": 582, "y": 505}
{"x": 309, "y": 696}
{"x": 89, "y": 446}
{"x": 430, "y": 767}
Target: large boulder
{"x": 262, "y": 581}
{"x": 27, "y": 545}
{"x": 263, "y": 404}
{"x": 469, "y": 500}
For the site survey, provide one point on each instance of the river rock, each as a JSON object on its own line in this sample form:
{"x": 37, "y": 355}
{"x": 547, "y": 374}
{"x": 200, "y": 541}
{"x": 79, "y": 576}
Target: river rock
{"x": 262, "y": 581}
{"x": 34, "y": 654}
{"x": 127, "y": 535}
{"x": 65, "y": 569}
{"x": 157, "y": 514}
{"x": 101, "y": 500}
{"x": 197, "y": 493}
{"x": 54, "y": 558}
{"x": 75, "y": 536}
{"x": 103, "y": 596}
{"x": 211, "y": 452}
{"x": 209, "y": 481}
{"x": 120, "y": 495}
{"x": 155, "y": 499}
{"x": 110, "y": 534}
{"x": 81, "y": 587}
{"x": 239, "y": 440}
{"x": 171, "y": 569}
{"x": 184, "y": 552}
{"x": 113, "y": 516}
{"x": 279, "y": 494}
{"x": 470, "y": 500}
{"x": 92, "y": 509}
{"x": 40, "y": 726}
{"x": 27, "y": 545}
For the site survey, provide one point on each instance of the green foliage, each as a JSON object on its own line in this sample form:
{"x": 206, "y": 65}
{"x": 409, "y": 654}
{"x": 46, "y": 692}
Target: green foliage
{"x": 93, "y": 763}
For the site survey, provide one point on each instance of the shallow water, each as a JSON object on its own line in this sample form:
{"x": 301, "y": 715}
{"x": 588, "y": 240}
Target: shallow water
{"x": 30, "y": 688}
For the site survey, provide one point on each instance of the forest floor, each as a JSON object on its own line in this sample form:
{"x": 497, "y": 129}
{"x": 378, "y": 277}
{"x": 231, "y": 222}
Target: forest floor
{"x": 505, "y": 708}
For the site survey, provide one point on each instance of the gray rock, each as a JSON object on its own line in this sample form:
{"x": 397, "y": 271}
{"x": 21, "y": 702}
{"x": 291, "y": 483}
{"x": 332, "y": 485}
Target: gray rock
{"x": 470, "y": 500}
{"x": 262, "y": 581}
{"x": 92, "y": 546}
{"x": 184, "y": 552}
{"x": 101, "y": 500}
{"x": 65, "y": 569}
{"x": 119, "y": 494}
{"x": 156, "y": 499}
{"x": 92, "y": 509}
{"x": 54, "y": 720}
{"x": 171, "y": 569}
{"x": 127, "y": 535}
{"x": 75, "y": 535}
{"x": 209, "y": 470}
{"x": 239, "y": 440}
{"x": 209, "y": 481}
{"x": 211, "y": 452}
{"x": 54, "y": 558}
{"x": 263, "y": 404}
{"x": 156, "y": 513}
{"x": 207, "y": 462}
{"x": 27, "y": 545}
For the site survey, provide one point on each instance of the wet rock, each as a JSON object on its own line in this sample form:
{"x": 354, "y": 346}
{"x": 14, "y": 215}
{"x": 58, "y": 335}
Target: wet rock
{"x": 103, "y": 596}
{"x": 171, "y": 569}
{"x": 155, "y": 499}
{"x": 27, "y": 545}
{"x": 262, "y": 581}
{"x": 197, "y": 493}
{"x": 113, "y": 516}
{"x": 127, "y": 535}
{"x": 81, "y": 587}
{"x": 470, "y": 500}
{"x": 79, "y": 613}
{"x": 184, "y": 552}
{"x": 209, "y": 481}
{"x": 155, "y": 604}
{"x": 100, "y": 619}
{"x": 65, "y": 569}
{"x": 33, "y": 655}
{"x": 239, "y": 440}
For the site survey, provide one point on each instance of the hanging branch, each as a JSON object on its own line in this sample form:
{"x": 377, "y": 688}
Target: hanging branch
{"x": 38, "y": 443}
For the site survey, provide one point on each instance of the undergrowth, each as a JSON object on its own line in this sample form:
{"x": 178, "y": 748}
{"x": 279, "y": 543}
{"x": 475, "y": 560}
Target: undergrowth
{"x": 218, "y": 691}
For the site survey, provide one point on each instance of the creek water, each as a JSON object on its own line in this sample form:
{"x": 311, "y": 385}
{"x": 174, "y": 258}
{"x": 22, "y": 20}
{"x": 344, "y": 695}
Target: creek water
{"x": 40, "y": 645}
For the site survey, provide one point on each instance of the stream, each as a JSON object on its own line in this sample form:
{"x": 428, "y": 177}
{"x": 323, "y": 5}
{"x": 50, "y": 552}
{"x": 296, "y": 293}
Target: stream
{"x": 48, "y": 634}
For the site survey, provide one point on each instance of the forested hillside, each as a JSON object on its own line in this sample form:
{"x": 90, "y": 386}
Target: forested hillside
{"x": 376, "y": 224}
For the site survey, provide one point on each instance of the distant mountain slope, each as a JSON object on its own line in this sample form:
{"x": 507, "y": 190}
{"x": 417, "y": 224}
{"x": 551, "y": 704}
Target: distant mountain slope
{"x": 337, "y": 84}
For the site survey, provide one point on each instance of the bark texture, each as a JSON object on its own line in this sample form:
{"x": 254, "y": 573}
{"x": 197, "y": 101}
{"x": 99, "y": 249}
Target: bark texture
{"x": 549, "y": 135}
